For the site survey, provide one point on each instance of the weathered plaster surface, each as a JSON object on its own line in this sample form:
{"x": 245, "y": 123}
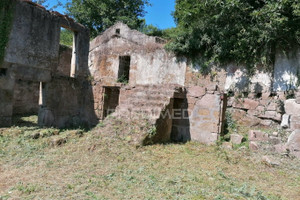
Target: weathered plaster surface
{"x": 286, "y": 69}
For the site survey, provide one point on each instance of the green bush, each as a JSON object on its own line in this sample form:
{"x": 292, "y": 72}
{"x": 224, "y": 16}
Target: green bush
{"x": 66, "y": 37}
{"x": 244, "y": 31}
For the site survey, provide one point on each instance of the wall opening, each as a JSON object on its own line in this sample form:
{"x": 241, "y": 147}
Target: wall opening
{"x": 68, "y": 39}
{"x": 124, "y": 68}
{"x": 180, "y": 121}
{"x": 118, "y": 31}
{"x": 41, "y": 94}
{"x": 111, "y": 100}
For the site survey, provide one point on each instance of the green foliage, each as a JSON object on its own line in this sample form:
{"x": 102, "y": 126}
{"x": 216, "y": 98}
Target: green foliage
{"x": 46, "y": 5}
{"x": 66, "y": 37}
{"x": 123, "y": 79}
{"x": 100, "y": 15}
{"x": 6, "y": 16}
{"x": 230, "y": 125}
{"x": 247, "y": 32}
{"x": 151, "y": 30}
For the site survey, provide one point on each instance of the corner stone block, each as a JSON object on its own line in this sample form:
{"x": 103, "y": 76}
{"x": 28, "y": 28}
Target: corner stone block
{"x": 205, "y": 138}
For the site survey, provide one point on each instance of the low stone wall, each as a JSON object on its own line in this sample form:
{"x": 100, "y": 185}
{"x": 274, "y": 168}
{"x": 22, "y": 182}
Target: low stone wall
{"x": 67, "y": 102}
{"x": 257, "y": 109}
{"x": 272, "y": 111}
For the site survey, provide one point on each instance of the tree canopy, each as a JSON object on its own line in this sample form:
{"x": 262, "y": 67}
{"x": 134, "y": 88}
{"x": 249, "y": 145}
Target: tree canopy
{"x": 244, "y": 31}
{"x": 100, "y": 15}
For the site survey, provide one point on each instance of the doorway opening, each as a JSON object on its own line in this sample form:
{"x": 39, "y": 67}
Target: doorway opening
{"x": 180, "y": 121}
{"x": 111, "y": 100}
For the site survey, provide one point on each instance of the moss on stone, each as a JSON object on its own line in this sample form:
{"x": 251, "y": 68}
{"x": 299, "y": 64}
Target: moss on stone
{"x": 6, "y": 17}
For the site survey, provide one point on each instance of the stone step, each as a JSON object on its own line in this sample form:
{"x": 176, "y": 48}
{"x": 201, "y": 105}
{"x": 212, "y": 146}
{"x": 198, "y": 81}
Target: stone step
{"x": 141, "y": 101}
{"x": 148, "y": 100}
{"x": 148, "y": 97}
{"x": 141, "y": 107}
{"x": 152, "y": 92}
{"x": 151, "y": 113}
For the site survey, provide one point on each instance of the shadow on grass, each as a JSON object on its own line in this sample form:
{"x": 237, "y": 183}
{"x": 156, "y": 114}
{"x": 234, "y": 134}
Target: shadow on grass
{"x": 25, "y": 120}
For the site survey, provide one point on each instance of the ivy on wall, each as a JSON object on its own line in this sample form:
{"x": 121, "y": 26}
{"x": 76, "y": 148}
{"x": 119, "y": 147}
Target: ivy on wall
{"x": 6, "y": 16}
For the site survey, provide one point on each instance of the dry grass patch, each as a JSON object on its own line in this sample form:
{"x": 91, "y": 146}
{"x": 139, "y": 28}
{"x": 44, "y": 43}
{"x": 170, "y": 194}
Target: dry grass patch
{"x": 102, "y": 165}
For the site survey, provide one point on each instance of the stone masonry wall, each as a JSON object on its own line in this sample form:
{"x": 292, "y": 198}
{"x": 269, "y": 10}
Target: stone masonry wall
{"x": 67, "y": 103}
{"x": 64, "y": 64}
{"x": 7, "y": 84}
{"x": 26, "y": 97}
{"x": 283, "y": 76}
{"x": 33, "y": 54}
{"x": 257, "y": 108}
{"x": 149, "y": 62}
{"x": 205, "y": 113}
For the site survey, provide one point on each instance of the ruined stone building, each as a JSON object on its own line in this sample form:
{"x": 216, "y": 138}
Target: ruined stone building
{"x": 133, "y": 73}
{"x": 35, "y": 63}
{"x": 126, "y": 73}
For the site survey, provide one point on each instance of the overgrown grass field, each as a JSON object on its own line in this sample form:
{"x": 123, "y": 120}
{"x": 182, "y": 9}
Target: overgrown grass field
{"x": 97, "y": 164}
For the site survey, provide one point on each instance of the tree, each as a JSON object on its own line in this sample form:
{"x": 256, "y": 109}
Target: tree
{"x": 150, "y": 30}
{"x": 46, "y": 4}
{"x": 244, "y": 31}
{"x": 99, "y": 15}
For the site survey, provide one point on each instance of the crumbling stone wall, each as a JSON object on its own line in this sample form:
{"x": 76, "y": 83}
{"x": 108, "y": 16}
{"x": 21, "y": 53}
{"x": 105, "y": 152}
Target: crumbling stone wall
{"x": 26, "y": 97}
{"x": 33, "y": 54}
{"x": 149, "y": 62}
{"x": 194, "y": 77}
{"x": 7, "y": 83}
{"x": 283, "y": 76}
{"x": 257, "y": 108}
{"x": 66, "y": 103}
{"x": 179, "y": 114}
{"x": 287, "y": 69}
{"x": 64, "y": 64}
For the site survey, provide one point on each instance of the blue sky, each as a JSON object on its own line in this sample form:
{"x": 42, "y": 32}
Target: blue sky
{"x": 159, "y": 14}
